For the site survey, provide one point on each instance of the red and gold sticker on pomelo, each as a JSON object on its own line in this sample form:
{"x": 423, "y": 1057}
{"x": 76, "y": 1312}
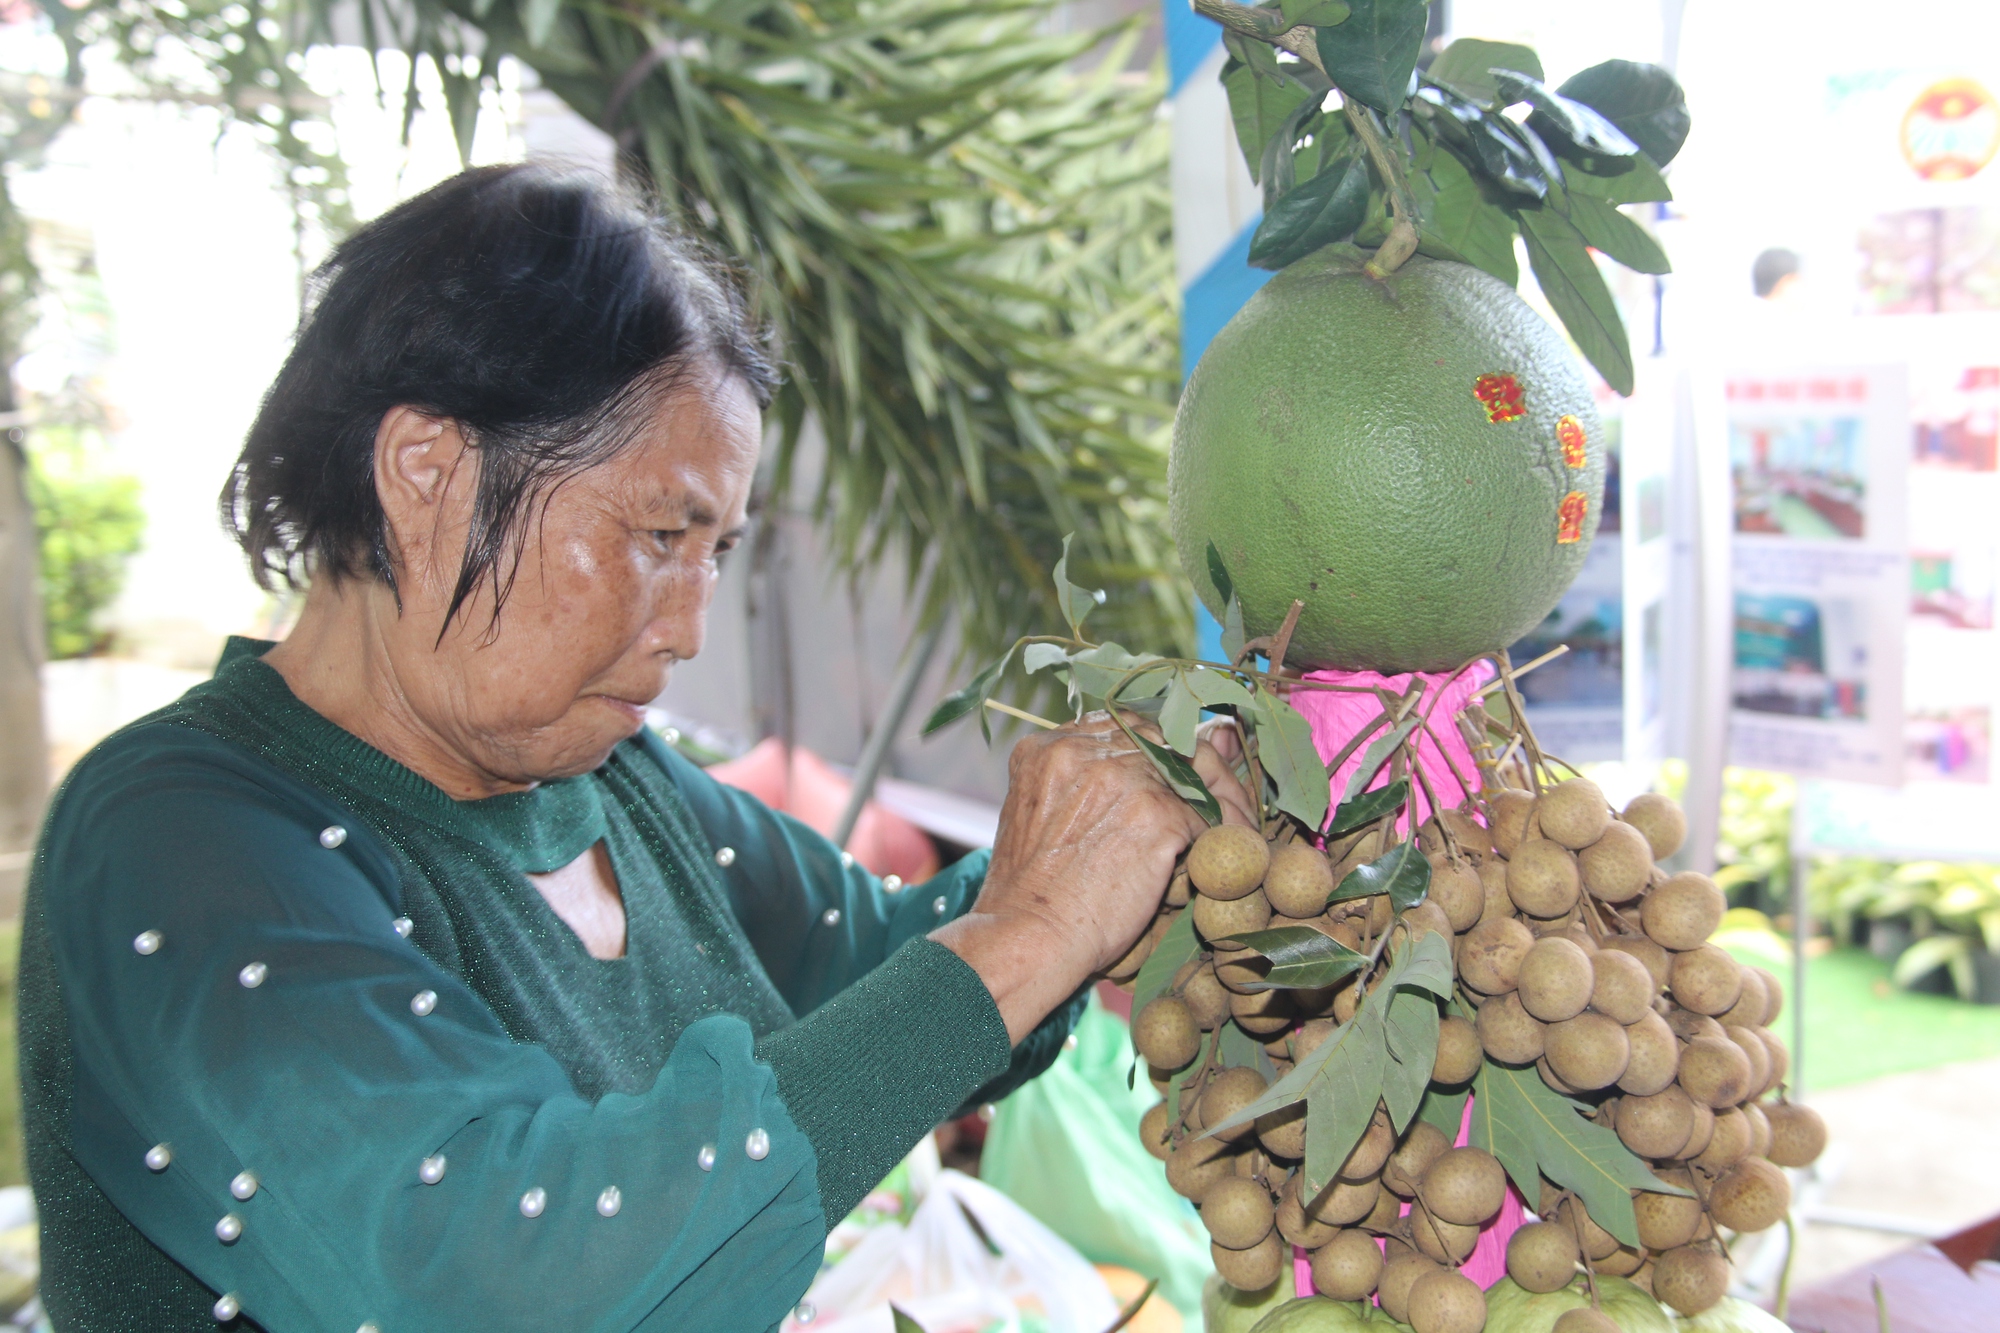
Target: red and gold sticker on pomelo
{"x": 1569, "y": 518}
{"x": 1569, "y": 434}
{"x": 1500, "y": 395}
{"x": 1951, "y": 131}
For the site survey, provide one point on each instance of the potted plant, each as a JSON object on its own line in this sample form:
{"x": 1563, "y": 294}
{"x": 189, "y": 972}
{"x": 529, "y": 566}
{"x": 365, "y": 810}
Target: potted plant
{"x": 1956, "y": 909}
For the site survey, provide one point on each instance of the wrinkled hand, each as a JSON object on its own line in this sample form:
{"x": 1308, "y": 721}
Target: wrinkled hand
{"x": 1088, "y": 839}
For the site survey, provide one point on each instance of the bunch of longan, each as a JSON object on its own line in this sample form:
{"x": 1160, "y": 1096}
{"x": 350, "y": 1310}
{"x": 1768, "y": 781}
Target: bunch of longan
{"x": 1577, "y": 954}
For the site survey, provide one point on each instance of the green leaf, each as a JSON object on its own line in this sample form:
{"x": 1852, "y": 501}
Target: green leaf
{"x": 1036, "y": 656}
{"x": 1507, "y": 1136}
{"x": 1480, "y": 232}
{"x": 1218, "y": 574}
{"x": 1486, "y": 142}
{"x": 1644, "y": 101}
{"x": 1617, "y": 235}
{"x": 1285, "y": 749}
{"x": 1179, "y": 1080}
{"x": 1378, "y": 752}
{"x": 1372, "y": 55}
{"x": 1468, "y": 64}
{"x": 1325, "y": 209}
{"x": 1314, "y": 13}
{"x": 1368, "y": 807}
{"x": 1258, "y": 106}
{"x": 538, "y": 20}
{"x": 1403, "y": 874}
{"x": 1217, "y": 689}
{"x": 1096, "y": 672}
{"x": 1576, "y": 290}
{"x": 1425, "y": 964}
{"x": 1187, "y": 783}
{"x": 1573, "y": 124}
{"x": 1240, "y": 1050}
{"x": 1929, "y": 954}
{"x": 1232, "y": 630}
{"x": 1175, "y": 950}
{"x": 972, "y": 696}
{"x": 1575, "y": 1153}
{"x": 1074, "y": 602}
{"x": 1343, "y": 1099}
{"x": 1412, "y": 1030}
{"x": 1619, "y": 180}
{"x": 1301, "y": 958}
{"x": 1445, "y": 1110}
{"x": 1180, "y": 715}
{"x": 904, "y": 1324}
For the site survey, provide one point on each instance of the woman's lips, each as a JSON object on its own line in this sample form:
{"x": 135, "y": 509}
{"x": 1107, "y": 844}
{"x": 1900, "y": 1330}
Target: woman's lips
{"x": 633, "y": 714}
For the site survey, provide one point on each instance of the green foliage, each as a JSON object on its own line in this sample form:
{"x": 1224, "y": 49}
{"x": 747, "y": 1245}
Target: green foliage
{"x": 90, "y": 523}
{"x": 1755, "y": 845}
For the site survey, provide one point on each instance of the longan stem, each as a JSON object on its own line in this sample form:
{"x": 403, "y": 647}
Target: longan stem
{"x": 1576, "y": 1225}
{"x": 1784, "y": 1298}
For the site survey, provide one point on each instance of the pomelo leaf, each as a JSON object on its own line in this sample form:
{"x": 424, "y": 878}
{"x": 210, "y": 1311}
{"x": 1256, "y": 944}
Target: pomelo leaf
{"x": 1218, "y": 574}
{"x": 1301, "y": 958}
{"x": 1232, "y": 630}
{"x": 1368, "y": 807}
{"x": 1479, "y": 232}
{"x": 1619, "y": 180}
{"x": 1412, "y": 1030}
{"x": 1574, "y": 124}
{"x": 1314, "y": 13}
{"x": 1285, "y": 748}
{"x": 1187, "y": 784}
{"x": 1617, "y": 235}
{"x": 1576, "y": 291}
{"x": 1176, "y": 948}
{"x": 1258, "y": 104}
{"x": 1325, "y": 209}
{"x": 1467, "y": 65}
{"x": 1403, "y": 874}
{"x": 1486, "y": 142}
{"x": 1372, "y": 55}
{"x": 1074, "y": 602}
{"x": 972, "y": 695}
{"x": 1180, "y": 715}
{"x": 1644, "y": 101}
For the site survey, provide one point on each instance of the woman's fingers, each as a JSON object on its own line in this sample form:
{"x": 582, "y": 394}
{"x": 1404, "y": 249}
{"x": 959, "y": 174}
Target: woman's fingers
{"x": 1220, "y": 778}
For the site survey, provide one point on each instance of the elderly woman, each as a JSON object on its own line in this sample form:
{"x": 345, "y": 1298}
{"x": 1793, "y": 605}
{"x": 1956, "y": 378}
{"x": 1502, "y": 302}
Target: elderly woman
{"x": 397, "y": 978}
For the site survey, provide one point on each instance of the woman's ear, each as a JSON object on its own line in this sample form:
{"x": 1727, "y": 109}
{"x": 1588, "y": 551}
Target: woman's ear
{"x": 417, "y": 462}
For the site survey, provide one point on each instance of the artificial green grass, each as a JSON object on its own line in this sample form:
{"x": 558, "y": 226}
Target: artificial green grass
{"x": 1858, "y": 1025}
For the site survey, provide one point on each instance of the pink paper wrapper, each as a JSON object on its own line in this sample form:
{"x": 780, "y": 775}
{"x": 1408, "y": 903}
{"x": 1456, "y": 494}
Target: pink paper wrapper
{"x": 1336, "y": 715}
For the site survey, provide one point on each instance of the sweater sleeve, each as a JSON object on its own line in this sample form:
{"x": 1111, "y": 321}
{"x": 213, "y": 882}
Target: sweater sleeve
{"x": 300, "y": 1108}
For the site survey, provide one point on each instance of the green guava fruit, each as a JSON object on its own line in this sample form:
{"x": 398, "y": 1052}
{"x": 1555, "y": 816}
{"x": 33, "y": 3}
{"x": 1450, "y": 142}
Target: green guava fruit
{"x": 1512, "y": 1308}
{"x": 1226, "y": 1309}
{"x": 1320, "y": 1314}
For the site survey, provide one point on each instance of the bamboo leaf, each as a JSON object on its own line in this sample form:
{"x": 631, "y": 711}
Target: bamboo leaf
{"x": 1368, "y": 807}
{"x": 1576, "y": 291}
{"x": 1403, "y": 874}
{"x": 1285, "y": 748}
{"x": 1302, "y": 958}
{"x": 1176, "y": 949}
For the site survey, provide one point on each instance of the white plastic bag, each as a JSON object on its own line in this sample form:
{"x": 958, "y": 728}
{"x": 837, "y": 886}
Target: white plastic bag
{"x": 942, "y": 1273}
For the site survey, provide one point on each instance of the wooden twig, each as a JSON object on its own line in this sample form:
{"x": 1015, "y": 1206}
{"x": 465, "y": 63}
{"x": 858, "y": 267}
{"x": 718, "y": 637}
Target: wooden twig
{"x": 1282, "y": 644}
{"x": 1547, "y": 657}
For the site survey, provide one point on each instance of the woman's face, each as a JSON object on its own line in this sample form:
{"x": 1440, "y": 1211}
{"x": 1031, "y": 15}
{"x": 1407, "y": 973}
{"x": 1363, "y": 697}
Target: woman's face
{"x": 613, "y": 588}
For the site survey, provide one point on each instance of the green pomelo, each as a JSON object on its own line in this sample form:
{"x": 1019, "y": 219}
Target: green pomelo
{"x": 1332, "y": 447}
{"x": 1512, "y": 1308}
{"x": 1731, "y": 1315}
{"x": 1227, "y": 1309}
{"x": 1318, "y": 1314}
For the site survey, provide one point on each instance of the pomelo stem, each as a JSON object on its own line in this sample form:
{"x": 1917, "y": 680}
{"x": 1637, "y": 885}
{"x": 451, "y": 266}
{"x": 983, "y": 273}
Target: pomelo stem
{"x": 1402, "y": 239}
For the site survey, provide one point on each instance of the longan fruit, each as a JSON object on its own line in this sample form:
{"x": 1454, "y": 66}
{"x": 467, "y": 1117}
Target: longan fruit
{"x": 1667, "y": 1221}
{"x": 1228, "y": 861}
{"x": 1507, "y": 812}
{"x": 1683, "y": 912}
{"x": 1262, "y": 1013}
{"x": 1660, "y": 818}
{"x": 1621, "y": 1262}
{"x": 1240, "y": 971}
{"x": 1617, "y": 867}
{"x": 1751, "y": 1002}
{"x": 1299, "y": 880}
{"x": 1555, "y": 1080}
{"x": 1621, "y": 987}
{"x": 1346, "y": 1202}
{"x": 1781, "y": 1059}
{"x": 1348, "y": 1266}
{"x": 1490, "y": 955}
{"x": 1493, "y": 885}
{"x": 1385, "y": 1217}
{"x": 1179, "y": 889}
{"x": 1465, "y": 1185}
{"x": 1542, "y": 878}
{"x": 1706, "y": 980}
{"x": 1729, "y": 1144}
{"x": 1656, "y": 1056}
{"x": 1457, "y": 891}
{"x": 1690, "y": 1278}
{"x": 1282, "y": 1133}
{"x": 1369, "y": 1155}
{"x": 1556, "y": 980}
{"x": 1446, "y": 1302}
{"x": 1704, "y": 1130}
{"x": 1155, "y": 1129}
{"x": 1658, "y": 962}
{"x": 1798, "y": 1134}
{"x": 1427, "y": 918}
{"x": 1309, "y": 1036}
{"x": 1204, "y": 995}
{"x": 1750, "y": 1196}
{"x": 1656, "y": 1126}
{"x": 1573, "y": 1216}
{"x": 1295, "y": 1224}
{"x": 1774, "y": 992}
{"x": 1542, "y": 1257}
{"x": 1446, "y": 1242}
{"x": 1227, "y": 1093}
{"x": 1255, "y": 1268}
{"x": 1584, "y": 1319}
{"x": 1757, "y": 1053}
{"x": 1573, "y": 813}
{"x": 1470, "y": 835}
{"x": 1459, "y": 1054}
{"x": 1196, "y": 1165}
{"x": 1238, "y": 1213}
{"x": 1423, "y": 1145}
{"x": 1589, "y": 1051}
{"x": 1760, "y": 1130}
{"x": 1508, "y": 1033}
{"x": 1142, "y": 948}
{"x": 1687, "y": 1025}
{"x": 1399, "y": 1275}
{"x": 1164, "y": 1032}
{"x": 1715, "y": 1073}
{"x": 1227, "y": 918}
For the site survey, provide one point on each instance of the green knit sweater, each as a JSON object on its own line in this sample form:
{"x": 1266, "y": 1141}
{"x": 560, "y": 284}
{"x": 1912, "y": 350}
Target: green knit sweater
{"x": 298, "y": 1036}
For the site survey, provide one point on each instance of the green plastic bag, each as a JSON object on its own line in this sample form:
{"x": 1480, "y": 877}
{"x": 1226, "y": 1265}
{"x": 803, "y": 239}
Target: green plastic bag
{"x": 1066, "y": 1148}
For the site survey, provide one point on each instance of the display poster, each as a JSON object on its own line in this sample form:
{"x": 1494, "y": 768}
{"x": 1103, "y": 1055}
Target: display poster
{"x": 1820, "y": 569}
{"x": 1645, "y": 460}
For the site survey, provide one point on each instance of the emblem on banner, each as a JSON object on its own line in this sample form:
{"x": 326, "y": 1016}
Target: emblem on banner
{"x": 1951, "y": 131}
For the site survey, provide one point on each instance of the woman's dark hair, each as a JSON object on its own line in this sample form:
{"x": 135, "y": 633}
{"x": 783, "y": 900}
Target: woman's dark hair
{"x": 541, "y": 312}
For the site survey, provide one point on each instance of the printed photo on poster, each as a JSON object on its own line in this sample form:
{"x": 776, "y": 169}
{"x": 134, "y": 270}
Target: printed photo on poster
{"x": 1954, "y": 588}
{"x": 1798, "y": 463}
{"x": 1948, "y": 745}
{"x": 1801, "y": 656}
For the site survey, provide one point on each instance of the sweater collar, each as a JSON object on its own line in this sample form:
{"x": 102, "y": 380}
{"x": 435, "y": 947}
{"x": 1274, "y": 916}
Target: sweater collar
{"x": 537, "y": 830}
